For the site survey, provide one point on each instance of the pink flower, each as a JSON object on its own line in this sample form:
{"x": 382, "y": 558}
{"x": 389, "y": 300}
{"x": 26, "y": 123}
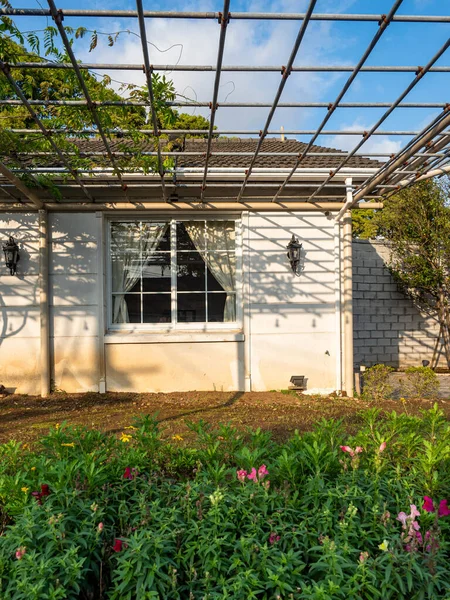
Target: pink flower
{"x": 414, "y": 511}
{"x": 241, "y": 475}
{"x": 428, "y": 504}
{"x": 262, "y": 472}
{"x": 100, "y": 527}
{"x": 443, "y": 510}
{"x": 117, "y": 545}
{"x": 266, "y": 484}
{"x": 273, "y": 538}
{"x": 419, "y": 537}
{"x": 358, "y": 450}
{"x": 20, "y": 552}
{"x": 347, "y": 449}
{"x": 253, "y": 475}
{"x": 382, "y": 447}
{"x": 363, "y": 557}
{"x": 402, "y": 516}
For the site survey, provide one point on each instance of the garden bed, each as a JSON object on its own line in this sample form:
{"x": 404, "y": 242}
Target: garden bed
{"x": 28, "y": 417}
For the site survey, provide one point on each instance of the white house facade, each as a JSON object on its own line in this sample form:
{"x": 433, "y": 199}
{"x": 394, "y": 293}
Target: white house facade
{"x": 182, "y": 296}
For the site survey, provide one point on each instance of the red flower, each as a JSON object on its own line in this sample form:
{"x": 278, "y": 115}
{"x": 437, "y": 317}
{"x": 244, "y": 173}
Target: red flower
{"x": 273, "y": 538}
{"x": 127, "y": 474}
{"x": 443, "y": 510}
{"x": 117, "y": 545}
{"x": 45, "y": 491}
{"x": 428, "y": 504}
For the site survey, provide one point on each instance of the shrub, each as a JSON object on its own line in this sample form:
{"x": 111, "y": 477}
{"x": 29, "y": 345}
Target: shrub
{"x": 420, "y": 382}
{"x": 322, "y": 516}
{"x": 376, "y": 384}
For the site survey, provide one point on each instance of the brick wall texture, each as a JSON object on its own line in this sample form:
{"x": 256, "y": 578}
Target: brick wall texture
{"x": 388, "y": 328}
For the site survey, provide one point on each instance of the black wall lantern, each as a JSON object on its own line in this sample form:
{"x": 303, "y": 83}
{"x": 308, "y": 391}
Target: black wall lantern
{"x": 11, "y": 250}
{"x": 294, "y": 249}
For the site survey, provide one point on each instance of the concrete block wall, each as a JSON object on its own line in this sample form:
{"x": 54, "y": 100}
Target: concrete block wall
{"x": 388, "y": 328}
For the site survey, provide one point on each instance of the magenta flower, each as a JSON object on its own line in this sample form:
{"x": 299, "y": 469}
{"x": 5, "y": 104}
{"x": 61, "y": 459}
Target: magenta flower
{"x": 382, "y": 447}
{"x": 127, "y": 474}
{"x": 241, "y": 475}
{"x": 347, "y": 449}
{"x": 117, "y": 545}
{"x": 428, "y": 504}
{"x": 253, "y": 475}
{"x": 262, "y": 472}
{"x": 443, "y": 510}
{"x": 20, "y": 552}
{"x": 273, "y": 538}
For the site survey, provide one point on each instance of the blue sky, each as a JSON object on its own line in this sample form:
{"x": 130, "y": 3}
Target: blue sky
{"x": 270, "y": 43}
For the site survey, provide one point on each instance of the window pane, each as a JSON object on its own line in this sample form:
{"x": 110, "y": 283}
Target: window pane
{"x": 221, "y": 235}
{"x": 126, "y": 272}
{"x": 190, "y": 272}
{"x": 126, "y": 308}
{"x": 191, "y": 308}
{"x": 125, "y": 236}
{"x": 221, "y": 274}
{"x": 221, "y": 308}
{"x": 190, "y": 232}
{"x": 156, "y": 276}
{"x": 157, "y": 308}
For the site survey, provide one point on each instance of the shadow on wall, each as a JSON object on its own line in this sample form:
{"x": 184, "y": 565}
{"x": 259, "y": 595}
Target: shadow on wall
{"x": 388, "y": 327}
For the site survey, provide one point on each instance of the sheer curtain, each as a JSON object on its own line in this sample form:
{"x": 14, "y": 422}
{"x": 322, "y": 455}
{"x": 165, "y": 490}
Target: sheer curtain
{"x": 220, "y": 237}
{"x": 132, "y": 245}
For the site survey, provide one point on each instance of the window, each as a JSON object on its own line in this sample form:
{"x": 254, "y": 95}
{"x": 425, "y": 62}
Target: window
{"x": 173, "y": 273}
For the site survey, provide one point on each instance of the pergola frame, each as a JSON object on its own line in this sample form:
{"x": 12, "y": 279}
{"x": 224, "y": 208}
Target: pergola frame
{"x": 427, "y": 154}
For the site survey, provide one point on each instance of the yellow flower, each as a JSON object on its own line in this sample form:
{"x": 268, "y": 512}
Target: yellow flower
{"x": 57, "y": 426}
{"x": 130, "y": 427}
{"x": 25, "y": 446}
{"x": 125, "y": 438}
{"x": 177, "y": 438}
{"x": 25, "y": 489}
{"x": 70, "y": 445}
{"x": 384, "y": 546}
{"x": 33, "y": 468}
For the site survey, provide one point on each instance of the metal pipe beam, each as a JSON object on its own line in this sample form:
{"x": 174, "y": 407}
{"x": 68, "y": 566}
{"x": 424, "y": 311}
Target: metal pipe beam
{"x": 58, "y": 18}
{"x": 150, "y": 133}
{"x": 415, "y": 81}
{"x": 228, "y": 68}
{"x": 196, "y": 104}
{"x": 285, "y": 72}
{"x": 148, "y": 77}
{"x": 214, "y": 16}
{"x": 383, "y": 24}
{"x": 223, "y": 21}
{"x": 9, "y": 175}
{"x": 44, "y": 304}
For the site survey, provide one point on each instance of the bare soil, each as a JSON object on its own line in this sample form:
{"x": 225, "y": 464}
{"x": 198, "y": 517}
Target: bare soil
{"x": 25, "y": 418}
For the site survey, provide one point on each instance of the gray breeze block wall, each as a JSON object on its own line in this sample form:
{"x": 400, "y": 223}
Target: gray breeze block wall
{"x": 388, "y": 328}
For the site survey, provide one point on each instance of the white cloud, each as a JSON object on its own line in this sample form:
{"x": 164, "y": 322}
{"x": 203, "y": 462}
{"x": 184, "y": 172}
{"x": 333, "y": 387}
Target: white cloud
{"x": 375, "y": 144}
{"x": 247, "y": 43}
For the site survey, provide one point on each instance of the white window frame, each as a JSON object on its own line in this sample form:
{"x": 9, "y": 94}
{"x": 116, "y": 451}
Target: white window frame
{"x": 175, "y": 326}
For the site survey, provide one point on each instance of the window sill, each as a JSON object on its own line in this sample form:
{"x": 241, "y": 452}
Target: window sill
{"x": 150, "y": 337}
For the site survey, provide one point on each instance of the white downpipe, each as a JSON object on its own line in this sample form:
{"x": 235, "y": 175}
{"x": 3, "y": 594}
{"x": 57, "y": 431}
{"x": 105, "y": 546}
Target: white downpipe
{"x": 43, "y": 304}
{"x": 348, "y": 295}
{"x": 101, "y": 362}
{"x": 246, "y": 300}
{"x": 338, "y": 302}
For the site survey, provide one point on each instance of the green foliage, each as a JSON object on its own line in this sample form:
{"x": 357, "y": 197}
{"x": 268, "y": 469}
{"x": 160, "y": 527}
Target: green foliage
{"x": 137, "y": 517}
{"x": 420, "y": 382}
{"x": 364, "y": 224}
{"x": 376, "y": 384}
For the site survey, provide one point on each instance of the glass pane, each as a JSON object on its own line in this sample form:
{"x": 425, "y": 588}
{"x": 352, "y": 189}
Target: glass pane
{"x": 191, "y": 308}
{"x": 190, "y": 272}
{"x": 221, "y": 272}
{"x": 221, "y": 308}
{"x": 152, "y": 231}
{"x": 126, "y": 308}
{"x": 126, "y": 273}
{"x": 156, "y": 276}
{"x": 157, "y": 308}
{"x": 190, "y": 232}
{"x": 125, "y": 236}
{"x": 221, "y": 235}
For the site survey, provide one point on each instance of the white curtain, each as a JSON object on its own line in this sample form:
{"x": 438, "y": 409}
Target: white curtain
{"x": 132, "y": 246}
{"x": 220, "y": 236}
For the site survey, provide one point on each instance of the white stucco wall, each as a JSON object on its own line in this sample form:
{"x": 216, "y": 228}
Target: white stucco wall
{"x": 293, "y": 323}
{"x": 291, "y": 320}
